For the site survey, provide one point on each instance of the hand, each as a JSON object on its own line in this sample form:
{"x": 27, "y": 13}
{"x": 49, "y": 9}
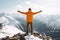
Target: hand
{"x": 40, "y": 10}
{"x": 18, "y": 11}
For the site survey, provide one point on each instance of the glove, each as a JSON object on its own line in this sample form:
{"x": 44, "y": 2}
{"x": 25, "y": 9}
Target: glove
{"x": 18, "y": 11}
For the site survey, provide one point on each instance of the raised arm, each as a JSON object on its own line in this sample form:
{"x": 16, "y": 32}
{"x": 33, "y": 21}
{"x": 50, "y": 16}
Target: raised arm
{"x": 21, "y": 12}
{"x": 37, "y": 12}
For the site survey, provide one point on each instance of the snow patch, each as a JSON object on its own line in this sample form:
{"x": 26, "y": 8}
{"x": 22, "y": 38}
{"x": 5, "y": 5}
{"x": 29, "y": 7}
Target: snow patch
{"x": 31, "y": 37}
{"x": 9, "y": 31}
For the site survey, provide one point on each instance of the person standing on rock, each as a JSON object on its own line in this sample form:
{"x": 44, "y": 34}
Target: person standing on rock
{"x": 29, "y": 18}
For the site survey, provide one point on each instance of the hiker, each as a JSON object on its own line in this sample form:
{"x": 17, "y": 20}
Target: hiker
{"x": 1, "y": 25}
{"x": 29, "y": 18}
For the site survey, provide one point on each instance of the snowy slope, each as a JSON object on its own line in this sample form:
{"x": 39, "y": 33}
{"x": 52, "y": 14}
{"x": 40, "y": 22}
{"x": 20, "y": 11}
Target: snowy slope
{"x": 31, "y": 37}
{"x": 12, "y": 30}
{"x": 9, "y": 31}
{"x": 4, "y": 20}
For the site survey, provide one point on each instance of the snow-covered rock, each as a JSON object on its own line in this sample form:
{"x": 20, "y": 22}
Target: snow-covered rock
{"x": 31, "y": 37}
{"x": 9, "y": 31}
{"x": 14, "y": 33}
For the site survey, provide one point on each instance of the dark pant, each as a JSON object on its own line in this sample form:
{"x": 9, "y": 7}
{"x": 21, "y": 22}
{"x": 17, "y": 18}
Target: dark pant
{"x": 28, "y": 26}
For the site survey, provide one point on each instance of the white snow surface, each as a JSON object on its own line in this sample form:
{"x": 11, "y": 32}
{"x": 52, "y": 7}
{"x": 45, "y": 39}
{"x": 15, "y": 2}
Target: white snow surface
{"x": 31, "y": 37}
{"x": 9, "y": 31}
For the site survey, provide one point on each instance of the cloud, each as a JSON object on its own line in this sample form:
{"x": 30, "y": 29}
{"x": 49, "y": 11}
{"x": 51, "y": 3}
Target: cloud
{"x": 28, "y": 2}
{"x": 13, "y": 9}
{"x": 48, "y": 7}
{"x": 18, "y": 7}
{"x": 51, "y": 7}
{"x": 33, "y": 6}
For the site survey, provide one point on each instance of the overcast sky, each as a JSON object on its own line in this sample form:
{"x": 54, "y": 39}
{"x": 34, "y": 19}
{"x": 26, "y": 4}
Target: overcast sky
{"x": 50, "y": 7}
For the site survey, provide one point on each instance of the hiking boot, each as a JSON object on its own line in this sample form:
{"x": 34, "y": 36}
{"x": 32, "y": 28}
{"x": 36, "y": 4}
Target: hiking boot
{"x": 25, "y": 34}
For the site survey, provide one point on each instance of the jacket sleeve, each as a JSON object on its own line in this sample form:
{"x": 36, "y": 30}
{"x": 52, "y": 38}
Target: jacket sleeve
{"x": 22, "y": 12}
{"x": 37, "y": 12}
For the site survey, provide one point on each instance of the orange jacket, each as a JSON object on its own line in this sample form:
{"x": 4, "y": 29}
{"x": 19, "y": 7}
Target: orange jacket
{"x": 29, "y": 15}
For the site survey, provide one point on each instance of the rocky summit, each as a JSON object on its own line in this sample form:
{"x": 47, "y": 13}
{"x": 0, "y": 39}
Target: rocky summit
{"x": 8, "y": 32}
